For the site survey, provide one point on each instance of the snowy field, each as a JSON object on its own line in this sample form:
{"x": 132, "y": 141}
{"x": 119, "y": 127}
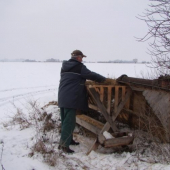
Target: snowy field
{"x": 25, "y": 82}
{"x": 32, "y": 81}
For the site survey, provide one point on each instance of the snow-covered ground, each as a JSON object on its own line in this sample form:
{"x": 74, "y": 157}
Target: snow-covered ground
{"x": 21, "y": 82}
{"x": 25, "y": 82}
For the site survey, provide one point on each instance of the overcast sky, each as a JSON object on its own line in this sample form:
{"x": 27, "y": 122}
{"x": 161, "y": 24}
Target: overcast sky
{"x": 101, "y": 29}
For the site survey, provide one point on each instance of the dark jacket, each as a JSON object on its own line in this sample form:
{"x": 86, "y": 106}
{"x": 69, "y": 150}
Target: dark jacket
{"x": 72, "y": 91}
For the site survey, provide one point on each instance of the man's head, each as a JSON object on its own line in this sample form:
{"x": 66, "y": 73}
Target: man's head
{"x": 78, "y": 55}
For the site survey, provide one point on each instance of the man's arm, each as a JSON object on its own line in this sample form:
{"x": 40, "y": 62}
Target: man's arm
{"x": 87, "y": 74}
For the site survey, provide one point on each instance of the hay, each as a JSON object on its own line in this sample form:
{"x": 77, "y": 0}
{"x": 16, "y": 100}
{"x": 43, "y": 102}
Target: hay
{"x": 106, "y": 82}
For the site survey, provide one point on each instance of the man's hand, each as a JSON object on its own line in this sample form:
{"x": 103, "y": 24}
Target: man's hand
{"x": 121, "y": 77}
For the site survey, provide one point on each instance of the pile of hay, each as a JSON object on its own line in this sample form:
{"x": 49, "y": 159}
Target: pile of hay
{"x": 108, "y": 81}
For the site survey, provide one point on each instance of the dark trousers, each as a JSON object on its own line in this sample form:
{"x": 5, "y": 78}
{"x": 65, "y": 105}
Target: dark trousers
{"x": 68, "y": 121}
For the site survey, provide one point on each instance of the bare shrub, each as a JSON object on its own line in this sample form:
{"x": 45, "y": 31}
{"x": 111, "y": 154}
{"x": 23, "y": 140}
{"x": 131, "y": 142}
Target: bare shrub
{"x": 51, "y": 158}
{"x": 18, "y": 119}
{"x": 45, "y": 126}
{"x": 40, "y": 147}
{"x": 150, "y": 141}
{"x": 149, "y": 149}
{"x": 49, "y": 154}
{"x": 2, "y": 150}
{"x": 46, "y": 129}
{"x": 157, "y": 19}
{"x": 21, "y": 119}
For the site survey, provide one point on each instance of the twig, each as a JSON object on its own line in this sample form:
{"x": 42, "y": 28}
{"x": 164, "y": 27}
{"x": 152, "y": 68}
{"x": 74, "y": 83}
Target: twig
{"x": 1, "y": 155}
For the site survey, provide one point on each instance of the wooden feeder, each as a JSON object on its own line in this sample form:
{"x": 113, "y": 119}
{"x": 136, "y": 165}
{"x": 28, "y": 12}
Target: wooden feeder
{"x": 140, "y": 103}
{"x": 109, "y": 100}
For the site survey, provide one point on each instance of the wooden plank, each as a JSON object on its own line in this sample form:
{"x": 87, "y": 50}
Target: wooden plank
{"x": 131, "y": 112}
{"x": 101, "y": 94}
{"x": 90, "y": 100}
{"x": 127, "y": 105}
{"x": 118, "y": 141}
{"x": 106, "y": 127}
{"x": 121, "y": 105}
{"x": 137, "y": 89}
{"x": 101, "y": 107}
{"x": 89, "y": 123}
{"x": 97, "y": 89}
{"x": 93, "y": 86}
{"x": 123, "y": 92}
{"x": 116, "y": 98}
{"x": 93, "y": 147}
{"x": 109, "y": 94}
{"x": 101, "y": 138}
{"x": 94, "y": 107}
{"x": 123, "y": 97}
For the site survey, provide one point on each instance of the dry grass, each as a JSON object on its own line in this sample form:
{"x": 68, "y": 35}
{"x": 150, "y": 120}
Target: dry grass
{"x": 45, "y": 127}
{"x": 45, "y": 140}
{"x": 1, "y": 155}
{"x": 148, "y": 148}
{"x": 107, "y": 82}
{"x": 50, "y": 103}
{"x": 18, "y": 119}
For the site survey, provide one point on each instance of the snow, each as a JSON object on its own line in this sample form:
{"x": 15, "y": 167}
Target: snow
{"x": 25, "y": 82}
{"x": 107, "y": 135}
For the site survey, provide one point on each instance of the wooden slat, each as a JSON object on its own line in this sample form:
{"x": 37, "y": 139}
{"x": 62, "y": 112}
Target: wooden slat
{"x": 101, "y": 94}
{"x": 89, "y": 123}
{"x": 101, "y": 138}
{"x": 137, "y": 89}
{"x": 93, "y": 86}
{"x": 116, "y": 98}
{"x": 93, "y": 107}
{"x": 131, "y": 112}
{"x": 93, "y": 147}
{"x": 101, "y": 107}
{"x": 118, "y": 141}
{"x": 109, "y": 94}
{"x": 127, "y": 105}
{"x": 123, "y": 92}
{"x": 97, "y": 89}
{"x": 121, "y": 105}
{"x": 90, "y": 100}
{"x": 106, "y": 127}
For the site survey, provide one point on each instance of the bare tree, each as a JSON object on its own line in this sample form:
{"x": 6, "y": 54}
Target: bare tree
{"x": 157, "y": 18}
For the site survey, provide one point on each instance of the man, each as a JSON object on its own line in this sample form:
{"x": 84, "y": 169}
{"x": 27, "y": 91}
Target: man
{"x": 72, "y": 95}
